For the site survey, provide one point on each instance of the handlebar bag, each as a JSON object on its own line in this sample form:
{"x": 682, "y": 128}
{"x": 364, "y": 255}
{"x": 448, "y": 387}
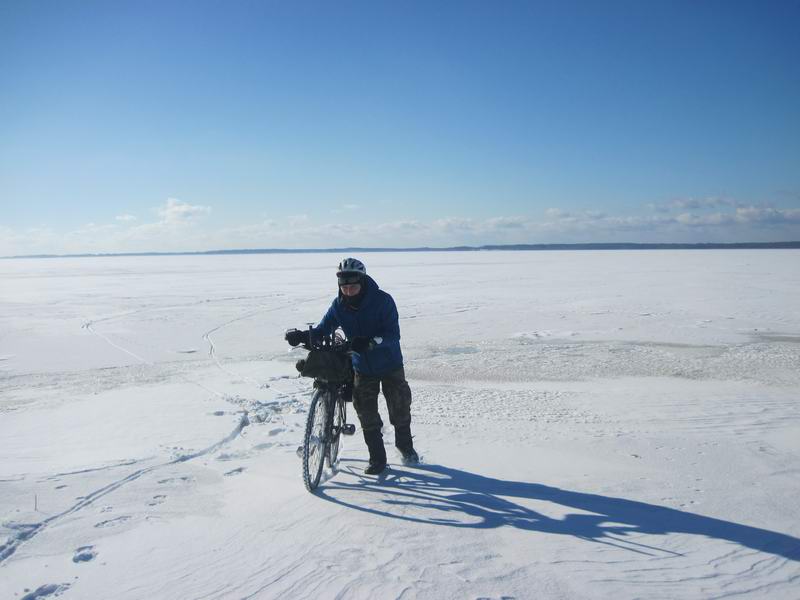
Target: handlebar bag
{"x": 330, "y": 366}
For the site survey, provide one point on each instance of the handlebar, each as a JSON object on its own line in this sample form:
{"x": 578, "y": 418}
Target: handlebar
{"x": 331, "y": 343}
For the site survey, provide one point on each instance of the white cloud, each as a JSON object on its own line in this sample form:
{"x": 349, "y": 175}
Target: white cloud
{"x": 455, "y": 225}
{"x": 694, "y": 220}
{"x": 556, "y": 213}
{"x": 34, "y": 240}
{"x": 126, "y": 218}
{"x": 175, "y": 211}
{"x": 753, "y": 214}
{"x": 694, "y": 204}
{"x": 507, "y": 223}
{"x": 411, "y": 226}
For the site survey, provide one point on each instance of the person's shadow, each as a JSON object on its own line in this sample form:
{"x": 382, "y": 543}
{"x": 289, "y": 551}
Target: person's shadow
{"x": 455, "y": 498}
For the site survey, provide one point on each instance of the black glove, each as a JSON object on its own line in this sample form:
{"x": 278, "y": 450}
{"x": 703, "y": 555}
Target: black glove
{"x": 295, "y": 337}
{"x": 361, "y": 344}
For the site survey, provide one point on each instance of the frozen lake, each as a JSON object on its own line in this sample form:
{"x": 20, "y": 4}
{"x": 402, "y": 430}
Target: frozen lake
{"x": 592, "y": 424}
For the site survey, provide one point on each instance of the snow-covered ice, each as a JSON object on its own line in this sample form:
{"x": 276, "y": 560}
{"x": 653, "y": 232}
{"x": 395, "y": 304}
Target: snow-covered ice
{"x": 592, "y": 424}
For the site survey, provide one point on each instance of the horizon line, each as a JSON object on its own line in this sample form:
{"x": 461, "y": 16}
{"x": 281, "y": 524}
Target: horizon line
{"x": 486, "y": 247}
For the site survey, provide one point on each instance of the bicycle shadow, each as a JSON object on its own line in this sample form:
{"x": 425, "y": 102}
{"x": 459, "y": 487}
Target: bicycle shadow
{"x": 450, "y": 497}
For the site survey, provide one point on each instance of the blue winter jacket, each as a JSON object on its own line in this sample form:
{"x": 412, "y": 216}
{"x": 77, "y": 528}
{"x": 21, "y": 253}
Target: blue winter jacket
{"x": 375, "y": 318}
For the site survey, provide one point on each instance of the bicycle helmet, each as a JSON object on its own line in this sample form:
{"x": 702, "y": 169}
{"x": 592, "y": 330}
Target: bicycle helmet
{"x": 350, "y": 267}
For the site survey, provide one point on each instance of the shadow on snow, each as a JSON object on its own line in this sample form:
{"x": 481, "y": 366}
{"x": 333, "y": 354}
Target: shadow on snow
{"x": 451, "y": 497}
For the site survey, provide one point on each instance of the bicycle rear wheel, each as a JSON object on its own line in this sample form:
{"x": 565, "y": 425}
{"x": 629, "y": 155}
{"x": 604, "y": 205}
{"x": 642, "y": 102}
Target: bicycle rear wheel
{"x": 316, "y": 440}
{"x": 339, "y": 419}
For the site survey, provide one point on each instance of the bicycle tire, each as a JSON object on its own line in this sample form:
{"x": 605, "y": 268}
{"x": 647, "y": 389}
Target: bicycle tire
{"x": 339, "y": 419}
{"x": 315, "y": 440}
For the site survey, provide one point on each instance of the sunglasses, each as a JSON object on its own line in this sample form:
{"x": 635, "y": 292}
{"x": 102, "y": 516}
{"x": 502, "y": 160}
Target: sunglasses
{"x": 349, "y": 280}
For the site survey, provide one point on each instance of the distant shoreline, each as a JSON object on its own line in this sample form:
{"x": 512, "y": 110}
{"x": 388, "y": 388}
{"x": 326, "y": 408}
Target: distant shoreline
{"x": 512, "y": 247}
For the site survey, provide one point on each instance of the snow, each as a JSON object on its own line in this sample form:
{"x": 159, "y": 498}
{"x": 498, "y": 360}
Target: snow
{"x": 592, "y": 425}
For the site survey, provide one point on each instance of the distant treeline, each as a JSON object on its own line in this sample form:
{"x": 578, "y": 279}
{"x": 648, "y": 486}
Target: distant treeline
{"x": 514, "y": 247}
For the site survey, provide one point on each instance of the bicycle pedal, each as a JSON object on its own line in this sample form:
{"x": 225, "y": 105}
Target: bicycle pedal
{"x": 348, "y": 429}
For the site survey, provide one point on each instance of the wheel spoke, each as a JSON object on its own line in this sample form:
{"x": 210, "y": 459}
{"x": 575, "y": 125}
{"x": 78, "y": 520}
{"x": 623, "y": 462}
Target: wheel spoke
{"x": 316, "y": 441}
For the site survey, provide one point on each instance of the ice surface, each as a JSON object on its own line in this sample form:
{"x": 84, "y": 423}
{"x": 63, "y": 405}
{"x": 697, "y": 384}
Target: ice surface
{"x": 593, "y": 425}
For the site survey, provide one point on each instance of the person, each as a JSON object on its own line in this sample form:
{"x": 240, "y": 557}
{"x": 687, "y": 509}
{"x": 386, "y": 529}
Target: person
{"x": 368, "y": 317}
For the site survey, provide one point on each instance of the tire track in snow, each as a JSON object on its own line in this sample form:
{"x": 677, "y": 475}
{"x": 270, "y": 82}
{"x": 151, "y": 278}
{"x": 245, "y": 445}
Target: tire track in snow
{"x": 88, "y": 325}
{"x": 146, "y": 309}
{"x": 212, "y": 351}
{"x": 90, "y": 329}
{"x": 26, "y": 532}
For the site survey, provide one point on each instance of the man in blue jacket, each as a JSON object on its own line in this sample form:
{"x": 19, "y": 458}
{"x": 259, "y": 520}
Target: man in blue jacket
{"x": 368, "y": 317}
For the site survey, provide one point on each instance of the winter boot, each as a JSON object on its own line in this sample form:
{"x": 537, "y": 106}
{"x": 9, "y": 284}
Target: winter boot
{"x": 402, "y": 440}
{"x": 377, "y": 453}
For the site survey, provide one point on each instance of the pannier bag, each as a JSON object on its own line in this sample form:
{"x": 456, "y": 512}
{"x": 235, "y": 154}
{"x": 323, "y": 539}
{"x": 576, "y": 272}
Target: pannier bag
{"x": 321, "y": 364}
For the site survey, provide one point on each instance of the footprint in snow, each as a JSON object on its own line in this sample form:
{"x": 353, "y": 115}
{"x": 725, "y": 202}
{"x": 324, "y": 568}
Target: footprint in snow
{"x": 235, "y": 472}
{"x": 84, "y": 554}
{"x": 49, "y": 589}
{"x": 159, "y": 499}
{"x": 184, "y": 479}
{"x": 226, "y": 456}
{"x": 113, "y": 522}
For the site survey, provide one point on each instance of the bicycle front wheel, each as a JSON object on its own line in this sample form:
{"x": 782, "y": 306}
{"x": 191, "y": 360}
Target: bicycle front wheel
{"x": 316, "y": 440}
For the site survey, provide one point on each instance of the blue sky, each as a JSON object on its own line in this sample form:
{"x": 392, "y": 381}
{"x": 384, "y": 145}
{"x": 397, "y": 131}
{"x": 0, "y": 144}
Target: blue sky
{"x": 177, "y": 125}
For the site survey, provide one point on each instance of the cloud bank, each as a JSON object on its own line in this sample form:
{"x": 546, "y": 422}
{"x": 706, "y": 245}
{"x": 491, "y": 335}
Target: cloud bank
{"x": 181, "y": 226}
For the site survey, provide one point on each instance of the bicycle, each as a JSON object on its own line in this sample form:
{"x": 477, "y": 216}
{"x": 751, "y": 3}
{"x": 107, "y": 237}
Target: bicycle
{"x": 329, "y": 363}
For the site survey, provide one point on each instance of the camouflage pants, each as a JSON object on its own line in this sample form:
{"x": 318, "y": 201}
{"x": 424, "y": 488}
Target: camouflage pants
{"x": 395, "y": 390}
